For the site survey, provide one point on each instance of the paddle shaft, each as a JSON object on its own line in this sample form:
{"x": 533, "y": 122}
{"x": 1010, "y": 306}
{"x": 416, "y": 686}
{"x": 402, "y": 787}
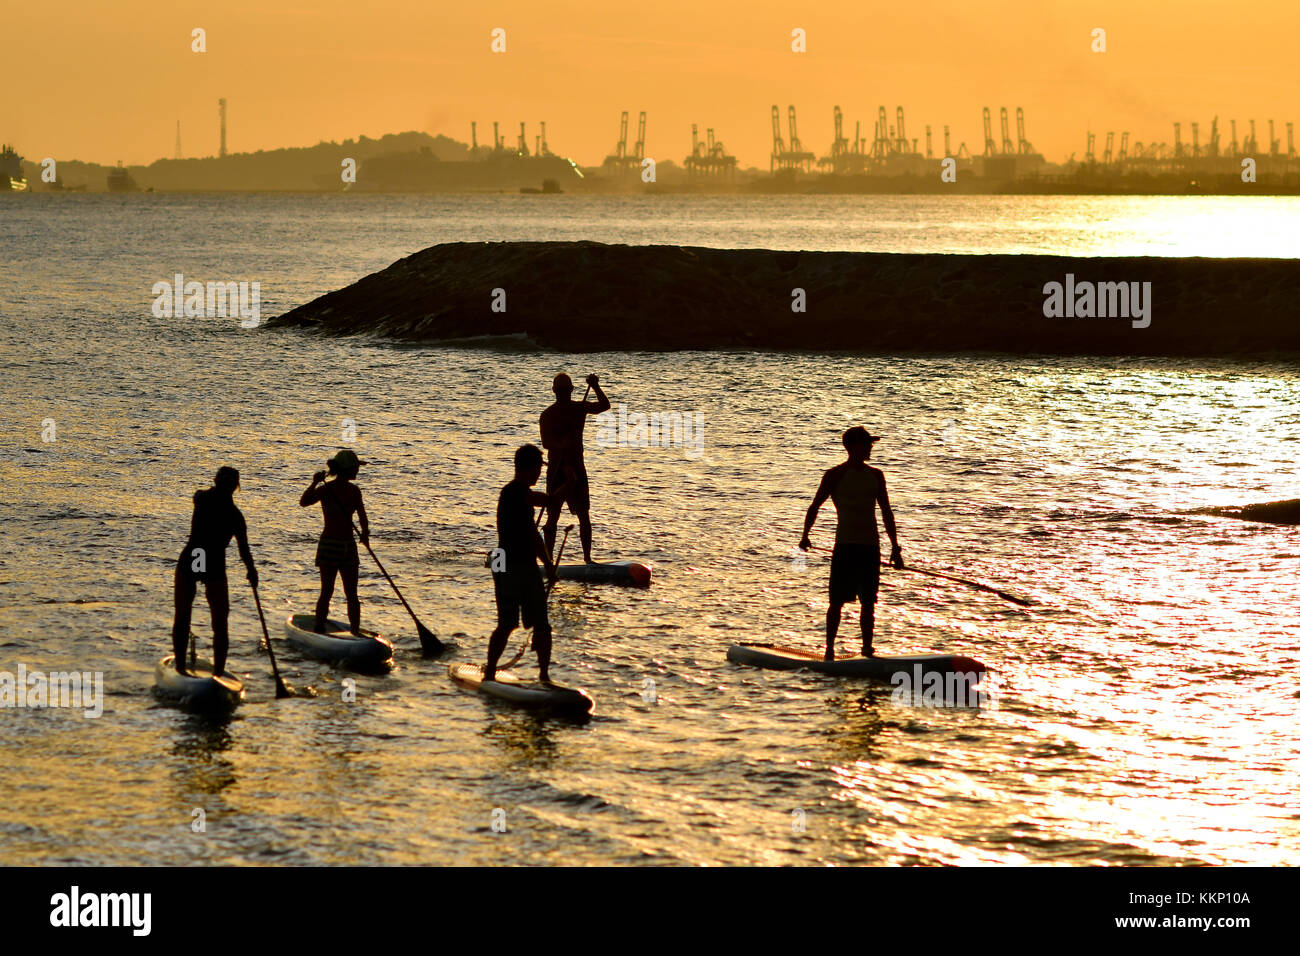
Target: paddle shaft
{"x": 1006, "y": 595}
{"x": 428, "y": 641}
{"x": 280, "y": 690}
{"x": 550, "y": 585}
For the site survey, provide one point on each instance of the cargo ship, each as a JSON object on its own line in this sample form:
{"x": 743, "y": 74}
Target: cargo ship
{"x": 120, "y": 181}
{"x": 11, "y": 171}
{"x": 425, "y": 172}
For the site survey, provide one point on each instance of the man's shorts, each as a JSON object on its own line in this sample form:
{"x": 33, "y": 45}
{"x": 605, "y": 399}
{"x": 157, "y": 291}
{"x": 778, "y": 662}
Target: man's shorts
{"x": 855, "y": 573}
{"x": 520, "y": 594}
{"x": 579, "y": 496}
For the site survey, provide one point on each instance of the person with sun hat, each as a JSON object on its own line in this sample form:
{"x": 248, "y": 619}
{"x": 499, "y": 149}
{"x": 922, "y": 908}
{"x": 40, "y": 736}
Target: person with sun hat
{"x": 336, "y": 551}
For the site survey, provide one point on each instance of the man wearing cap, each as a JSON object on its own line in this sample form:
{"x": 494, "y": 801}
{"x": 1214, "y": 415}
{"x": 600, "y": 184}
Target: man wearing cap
{"x": 562, "y": 425}
{"x": 336, "y": 552}
{"x": 855, "y": 488}
{"x": 215, "y": 521}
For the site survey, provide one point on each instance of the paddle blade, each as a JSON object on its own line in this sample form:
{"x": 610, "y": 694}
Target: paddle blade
{"x": 429, "y": 642}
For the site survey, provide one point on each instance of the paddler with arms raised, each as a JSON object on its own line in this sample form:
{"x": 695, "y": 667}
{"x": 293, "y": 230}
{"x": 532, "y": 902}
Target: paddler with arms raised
{"x": 856, "y": 488}
{"x": 562, "y": 425}
{"x": 215, "y": 521}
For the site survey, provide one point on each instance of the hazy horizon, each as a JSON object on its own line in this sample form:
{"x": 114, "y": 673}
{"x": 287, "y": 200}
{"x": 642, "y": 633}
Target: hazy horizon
{"x": 296, "y": 77}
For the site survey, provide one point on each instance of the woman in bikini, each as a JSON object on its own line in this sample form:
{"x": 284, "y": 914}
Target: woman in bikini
{"x": 336, "y": 553}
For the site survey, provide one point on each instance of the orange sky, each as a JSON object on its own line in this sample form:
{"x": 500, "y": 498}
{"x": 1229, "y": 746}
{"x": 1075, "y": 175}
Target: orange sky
{"x": 105, "y": 81}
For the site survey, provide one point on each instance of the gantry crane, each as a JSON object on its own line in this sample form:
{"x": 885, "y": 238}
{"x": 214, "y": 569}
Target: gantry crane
{"x": 778, "y": 144}
{"x": 1024, "y": 145}
{"x": 1008, "y": 147}
{"x": 990, "y": 147}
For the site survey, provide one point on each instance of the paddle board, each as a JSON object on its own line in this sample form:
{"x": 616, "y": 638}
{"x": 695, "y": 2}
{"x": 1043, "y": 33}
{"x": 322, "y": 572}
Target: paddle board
{"x": 567, "y": 701}
{"x": 370, "y": 651}
{"x": 631, "y": 573}
{"x": 197, "y": 689}
{"x": 776, "y": 657}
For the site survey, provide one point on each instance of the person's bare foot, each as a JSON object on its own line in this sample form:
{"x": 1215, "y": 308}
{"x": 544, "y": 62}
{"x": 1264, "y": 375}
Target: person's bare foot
{"x": 489, "y": 673}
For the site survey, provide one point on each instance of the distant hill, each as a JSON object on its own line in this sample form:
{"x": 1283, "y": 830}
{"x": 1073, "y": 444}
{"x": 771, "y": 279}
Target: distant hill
{"x": 297, "y": 168}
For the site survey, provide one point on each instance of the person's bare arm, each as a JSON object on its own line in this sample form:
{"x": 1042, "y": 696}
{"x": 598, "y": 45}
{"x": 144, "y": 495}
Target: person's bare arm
{"x": 819, "y": 499}
{"x": 313, "y": 492}
{"x": 602, "y": 403}
{"x": 546, "y": 429}
{"x": 539, "y": 547}
{"x": 363, "y": 518}
{"x": 887, "y": 513}
{"x": 245, "y": 553}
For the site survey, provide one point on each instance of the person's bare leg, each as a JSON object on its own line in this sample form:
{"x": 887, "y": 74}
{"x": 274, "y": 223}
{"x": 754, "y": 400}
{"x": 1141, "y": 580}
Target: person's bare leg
{"x": 326, "y": 595}
{"x": 584, "y": 533}
{"x": 868, "y": 626}
{"x": 219, "y": 604}
{"x": 542, "y": 644}
{"x": 832, "y": 628}
{"x": 552, "y": 523}
{"x": 349, "y": 576}
{"x": 496, "y": 647}
{"x": 184, "y": 607}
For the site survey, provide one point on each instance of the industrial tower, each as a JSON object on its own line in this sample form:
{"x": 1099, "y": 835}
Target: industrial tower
{"x": 221, "y": 103}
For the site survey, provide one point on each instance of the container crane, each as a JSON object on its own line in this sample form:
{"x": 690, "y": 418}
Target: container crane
{"x": 1008, "y": 147}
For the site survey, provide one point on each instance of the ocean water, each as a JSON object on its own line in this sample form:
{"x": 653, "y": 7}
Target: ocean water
{"x": 1143, "y": 710}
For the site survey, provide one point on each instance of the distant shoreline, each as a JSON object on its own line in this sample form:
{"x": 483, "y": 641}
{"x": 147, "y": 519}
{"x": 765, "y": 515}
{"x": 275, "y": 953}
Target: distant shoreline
{"x": 591, "y": 297}
{"x": 820, "y": 187}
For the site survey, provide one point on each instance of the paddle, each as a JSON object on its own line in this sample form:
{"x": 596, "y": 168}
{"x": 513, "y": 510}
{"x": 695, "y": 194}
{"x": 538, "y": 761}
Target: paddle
{"x": 549, "y": 586}
{"x": 429, "y": 642}
{"x": 559, "y": 557}
{"x": 281, "y": 691}
{"x": 1006, "y": 595}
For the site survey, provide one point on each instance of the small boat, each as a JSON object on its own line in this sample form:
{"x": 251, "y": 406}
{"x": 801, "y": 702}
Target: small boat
{"x": 12, "y": 177}
{"x": 367, "y": 652}
{"x": 630, "y": 573}
{"x": 197, "y": 689}
{"x": 776, "y": 657}
{"x": 551, "y": 698}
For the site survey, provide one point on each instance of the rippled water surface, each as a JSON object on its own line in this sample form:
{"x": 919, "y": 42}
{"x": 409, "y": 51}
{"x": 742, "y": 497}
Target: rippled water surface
{"x": 1144, "y": 707}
